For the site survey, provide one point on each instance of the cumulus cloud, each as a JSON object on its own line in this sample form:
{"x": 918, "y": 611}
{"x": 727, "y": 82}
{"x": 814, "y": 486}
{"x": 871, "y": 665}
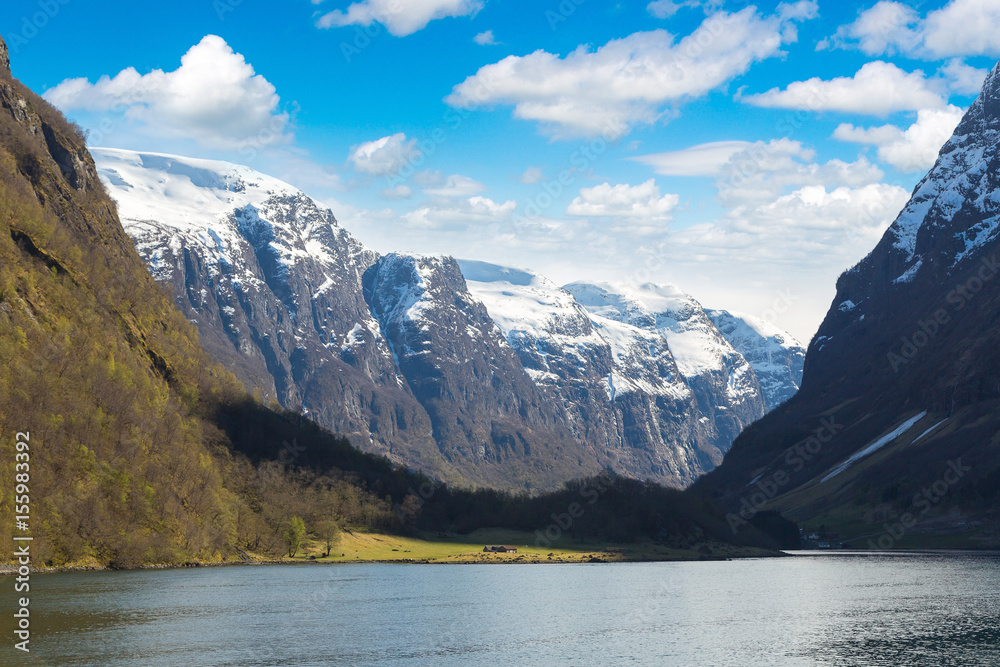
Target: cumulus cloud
{"x": 485, "y": 38}
{"x": 384, "y": 156}
{"x": 887, "y": 28}
{"x": 961, "y": 78}
{"x": 878, "y": 88}
{"x": 459, "y": 214}
{"x": 623, "y": 201}
{"x": 960, "y": 28}
{"x": 457, "y": 185}
{"x": 214, "y": 98}
{"x": 764, "y": 171}
{"x": 912, "y": 150}
{"x": 633, "y": 80}
{"x": 789, "y": 250}
{"x": 400, "y": 17}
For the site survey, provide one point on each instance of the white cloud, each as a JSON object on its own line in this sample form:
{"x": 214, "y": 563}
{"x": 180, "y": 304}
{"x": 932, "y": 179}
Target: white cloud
{"x": 400, "y": 17}
{"x": 964, "y": 28}
{"x": 399, "y": 192}
{"x": 755, "y": 172}
{"x": 911, "y": 150}
{"x": 781, "y": 258}
{"x": 960, "y": 28}
{"x": 878, "y": 88}
{"x": 623, "y": 201}
{"x": 765, "y": 170}
{"x": 961, "y": 78}
{"x": 664, "y": 9}
{"x": 457, "y": 185}
{"x": 532, "y": 175}
{"x": 459, "y": 214}
{"x": 214, "y": 98}
{"x": 886, "y": 28}
{"x": 629, "y": 81}
{"x": 384, "y": 156}
{"x": 485, "y": 38}
{"x": 701, "y": 160}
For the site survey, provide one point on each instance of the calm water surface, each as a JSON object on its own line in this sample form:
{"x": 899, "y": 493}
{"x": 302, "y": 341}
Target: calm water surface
{"x": 807, "y": 610}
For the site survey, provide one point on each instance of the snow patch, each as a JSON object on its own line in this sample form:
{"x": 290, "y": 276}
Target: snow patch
{"x": 878, "y": 444}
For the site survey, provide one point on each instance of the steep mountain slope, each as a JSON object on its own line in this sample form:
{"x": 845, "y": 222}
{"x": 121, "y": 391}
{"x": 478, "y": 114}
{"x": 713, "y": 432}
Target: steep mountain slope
{"x": 489, "y": 418}
{"x": 723, "y": 383}
{"x": 900, "y": 392}
{"x": 274, "y": 285}
{"x": 396, "y": 353}
{"x": 618, "y": 383}
{"x": 777, "y": 359}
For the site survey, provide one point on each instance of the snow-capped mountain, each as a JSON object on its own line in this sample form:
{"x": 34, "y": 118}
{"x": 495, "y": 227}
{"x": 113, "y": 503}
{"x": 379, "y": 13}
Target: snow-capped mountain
{"x": 275, "y": 287}
{"x": 900, "y": 391}
{"x": 776, "y": 358}
{"x": 618, "y": 383}
{"x": 474, "y": 373}
{"x": 723, "y": 382}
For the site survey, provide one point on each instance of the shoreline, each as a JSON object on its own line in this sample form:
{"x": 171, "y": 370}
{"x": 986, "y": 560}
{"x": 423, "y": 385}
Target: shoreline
{"x": 8, "y": 569}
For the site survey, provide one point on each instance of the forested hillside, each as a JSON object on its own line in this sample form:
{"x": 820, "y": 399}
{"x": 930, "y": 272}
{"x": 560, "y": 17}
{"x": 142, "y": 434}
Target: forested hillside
{"x": 98, "y": 366}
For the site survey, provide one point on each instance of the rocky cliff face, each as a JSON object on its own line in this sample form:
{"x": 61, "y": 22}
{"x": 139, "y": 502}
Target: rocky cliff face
{"x": 274, "y": 285}
{"x": 618, "y": 383}
{"x": 4, "y": 60}
{"x": 488, "y": 415}
{"x": 723, "y": 383}
{"x": 533, "y": 388}
{"x": 777, "y": 359}
{"x": 904, "y": 363}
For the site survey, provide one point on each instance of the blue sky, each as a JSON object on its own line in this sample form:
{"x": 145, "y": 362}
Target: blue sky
{"x": 747, "y": 153}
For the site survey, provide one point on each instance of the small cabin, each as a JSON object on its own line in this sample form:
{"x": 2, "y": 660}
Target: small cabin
{"x": 500, "y": 549}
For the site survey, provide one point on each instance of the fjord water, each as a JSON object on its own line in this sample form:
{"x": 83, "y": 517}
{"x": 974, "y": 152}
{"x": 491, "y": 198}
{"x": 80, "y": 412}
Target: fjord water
{"x": 910, "y": 609}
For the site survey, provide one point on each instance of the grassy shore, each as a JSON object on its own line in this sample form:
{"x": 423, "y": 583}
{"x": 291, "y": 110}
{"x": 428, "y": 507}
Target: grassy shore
{"x": 369, "y": 547}
{"x": 360, "y": 547}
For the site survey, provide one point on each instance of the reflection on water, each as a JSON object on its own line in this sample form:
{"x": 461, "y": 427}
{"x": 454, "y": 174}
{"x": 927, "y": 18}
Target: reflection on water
{"x": 821, "y": 609}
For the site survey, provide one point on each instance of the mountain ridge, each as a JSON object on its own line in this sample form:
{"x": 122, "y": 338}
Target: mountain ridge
{"x": 298, "y": 309}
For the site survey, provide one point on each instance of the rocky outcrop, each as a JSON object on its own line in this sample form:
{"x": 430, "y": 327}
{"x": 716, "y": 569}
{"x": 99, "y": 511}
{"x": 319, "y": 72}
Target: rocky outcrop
{"x": 274, "y": 284}
{"x": 723, "y": 383}
{"x": 777, "y": 359}
{"x": 4, "y": 59}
